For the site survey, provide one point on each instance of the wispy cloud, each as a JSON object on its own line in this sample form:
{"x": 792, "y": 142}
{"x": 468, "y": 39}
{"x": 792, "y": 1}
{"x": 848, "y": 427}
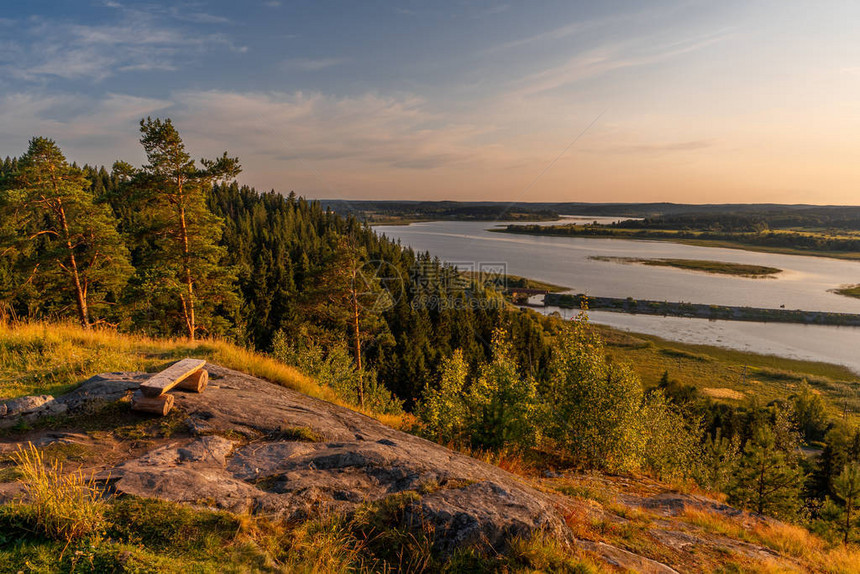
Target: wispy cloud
{"x": 311, "y": 64}
{"x": 602, "y": 60}
{"x": 654, "y": 148}
{"x": 138, "y": 39}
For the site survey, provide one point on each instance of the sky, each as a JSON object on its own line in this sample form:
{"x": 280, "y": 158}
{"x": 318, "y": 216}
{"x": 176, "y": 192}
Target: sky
{"x": 613, "y": 101}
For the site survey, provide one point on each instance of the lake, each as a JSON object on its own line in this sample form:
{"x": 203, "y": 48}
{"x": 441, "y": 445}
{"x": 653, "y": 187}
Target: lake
{"x": 805, "y": 283}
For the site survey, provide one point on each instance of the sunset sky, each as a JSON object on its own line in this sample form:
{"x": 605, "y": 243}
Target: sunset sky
{"x": 685, "y": 101}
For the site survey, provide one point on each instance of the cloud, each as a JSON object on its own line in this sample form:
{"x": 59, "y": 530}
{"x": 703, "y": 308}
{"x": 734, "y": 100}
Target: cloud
{"x": 604, "y": 59}
{"x": 311, "y": 64}
{"x": 137, "y": 39}
{"x": 96, "y": 131}
{"x": 306, "y": 141}
{"x": 657, "y": 148}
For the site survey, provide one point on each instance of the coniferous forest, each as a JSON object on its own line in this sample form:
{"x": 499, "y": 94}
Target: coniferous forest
{"x": 177, "y": 248}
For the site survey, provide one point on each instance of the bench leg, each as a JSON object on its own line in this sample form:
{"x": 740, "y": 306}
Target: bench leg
{"x": 159, "y": 405}
{"x": 195, "y": 382}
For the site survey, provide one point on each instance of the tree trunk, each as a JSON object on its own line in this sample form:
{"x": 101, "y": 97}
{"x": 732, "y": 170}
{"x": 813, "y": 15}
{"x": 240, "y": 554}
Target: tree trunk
{"x": 188, "y": 297}
{"x": 80, "y": 295}
{"x": 847, "y": 520}
{"x": 356, "y": 329}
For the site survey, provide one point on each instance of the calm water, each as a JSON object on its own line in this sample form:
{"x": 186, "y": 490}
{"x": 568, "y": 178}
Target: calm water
{"x": 804, "y": 284}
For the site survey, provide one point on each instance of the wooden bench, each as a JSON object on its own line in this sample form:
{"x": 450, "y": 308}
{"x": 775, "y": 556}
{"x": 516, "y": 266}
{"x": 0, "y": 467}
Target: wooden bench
{"x": 187, "y": 374}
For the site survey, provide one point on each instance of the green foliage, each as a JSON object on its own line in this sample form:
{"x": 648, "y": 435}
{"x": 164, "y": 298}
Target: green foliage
{"x": 497, "y": 408}
{"x": 64, "y": 245}
{"x": 768, "y": 478}
{"x": 334, "y": 367}
{"x": 442, "y": 407}
{"x": 847, "y": 487}
{"x": 672, "y": 446}
{"x": 719, "y": 461}
{"x": 595, "y": 406}
{"x": 502, "y": 404}
{"x": 181, "y": 280}
{"x": 810, "y": 412}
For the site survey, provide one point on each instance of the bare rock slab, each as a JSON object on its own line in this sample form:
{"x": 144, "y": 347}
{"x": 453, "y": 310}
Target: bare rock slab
{"x": 243, "y": 460}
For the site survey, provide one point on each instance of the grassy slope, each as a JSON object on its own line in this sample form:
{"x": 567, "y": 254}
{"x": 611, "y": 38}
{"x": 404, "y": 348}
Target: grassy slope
{"x": 43, "y": 358}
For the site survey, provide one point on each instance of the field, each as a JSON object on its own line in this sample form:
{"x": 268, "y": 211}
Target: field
{"x": 734, "y": 376}
{"x": 717, "y": 267}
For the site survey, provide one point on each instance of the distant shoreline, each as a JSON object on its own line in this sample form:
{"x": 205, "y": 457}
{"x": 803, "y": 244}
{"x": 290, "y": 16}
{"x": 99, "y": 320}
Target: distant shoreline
{"x": 686, "y": 238}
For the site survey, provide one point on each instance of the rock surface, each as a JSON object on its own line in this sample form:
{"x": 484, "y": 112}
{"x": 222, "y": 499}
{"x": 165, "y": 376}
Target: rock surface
{"x": 104, "y": 387}
{"x": 252, "y": 453}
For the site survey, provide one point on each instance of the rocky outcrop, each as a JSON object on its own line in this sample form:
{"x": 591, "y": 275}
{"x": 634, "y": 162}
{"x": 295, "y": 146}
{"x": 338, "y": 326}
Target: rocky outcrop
{"x": 260, "y": 448}
{"x": 104, "y": 387}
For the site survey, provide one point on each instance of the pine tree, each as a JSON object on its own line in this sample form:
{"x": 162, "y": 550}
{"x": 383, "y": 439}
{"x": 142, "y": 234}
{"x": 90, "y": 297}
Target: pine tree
{"x": 847, "y": 487}
{"x": 183, "y": 266}
{"x": 69, "y": 242}
{"x": 768, "y": 479}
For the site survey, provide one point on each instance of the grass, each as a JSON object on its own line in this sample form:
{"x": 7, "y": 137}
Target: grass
{"x": 787, "y": 539}
{"x": 849, "y": 291}
{"x": 53, "y": 358}
{"x": 705, "y": 266}
{"x": 65, "y": 506}
{"x": 729, "y": 375}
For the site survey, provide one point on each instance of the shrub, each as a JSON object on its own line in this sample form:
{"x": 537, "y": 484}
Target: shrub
{"x": 594, "y": 406}
{"x": 443, "y": 408}
{"x": 333, "y": 366}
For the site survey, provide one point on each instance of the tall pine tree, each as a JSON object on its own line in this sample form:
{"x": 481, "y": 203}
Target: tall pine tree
{"x": 182, "y": 270}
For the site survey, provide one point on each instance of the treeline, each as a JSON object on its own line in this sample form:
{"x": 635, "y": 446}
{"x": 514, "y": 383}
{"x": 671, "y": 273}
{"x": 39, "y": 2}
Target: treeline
{"x": 818, "y": 218}
{"x": 455, "y": 210}
{"x": 801, "y": 240}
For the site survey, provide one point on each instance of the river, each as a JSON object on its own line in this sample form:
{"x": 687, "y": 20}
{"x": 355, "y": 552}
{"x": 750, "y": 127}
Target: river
{"x": 805, "y": 283}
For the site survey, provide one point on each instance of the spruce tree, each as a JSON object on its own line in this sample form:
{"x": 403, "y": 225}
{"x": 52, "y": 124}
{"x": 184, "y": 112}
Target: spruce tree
{"x": 847, "y": 487}
{"x": 183, "y": 267}
{"x": 768, "y": 479}
{"x": 68, "y": 242}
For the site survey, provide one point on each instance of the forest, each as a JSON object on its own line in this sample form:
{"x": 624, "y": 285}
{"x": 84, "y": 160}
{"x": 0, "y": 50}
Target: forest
{"x": 177, "y": 248}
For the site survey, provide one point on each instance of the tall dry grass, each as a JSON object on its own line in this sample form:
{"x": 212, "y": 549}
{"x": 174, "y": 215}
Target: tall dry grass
{"x": 65, "y": 506}
{"x": 786, "y": 539}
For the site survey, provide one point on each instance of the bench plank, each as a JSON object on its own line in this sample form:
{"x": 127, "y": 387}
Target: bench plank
{"x": 171, "y": 376}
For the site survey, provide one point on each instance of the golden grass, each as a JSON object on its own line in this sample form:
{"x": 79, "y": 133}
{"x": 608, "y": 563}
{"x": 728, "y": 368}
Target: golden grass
{"x": 723, "y": 393}
{"x": 53, "y": 358}
{"x": 65, "y": 506}
{"x": 786, "y": 539}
